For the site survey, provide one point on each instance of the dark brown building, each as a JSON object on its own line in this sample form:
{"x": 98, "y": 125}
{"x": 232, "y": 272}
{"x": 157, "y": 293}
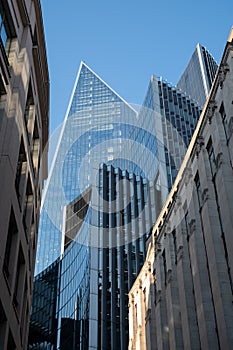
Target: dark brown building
{"x": 24, "y": 105}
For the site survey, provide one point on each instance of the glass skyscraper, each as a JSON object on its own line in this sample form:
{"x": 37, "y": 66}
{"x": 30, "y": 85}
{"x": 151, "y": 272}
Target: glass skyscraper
{"x": 111, "y": 173}
{"x": 199, "y": 75}
{"x": 176, "y": 116}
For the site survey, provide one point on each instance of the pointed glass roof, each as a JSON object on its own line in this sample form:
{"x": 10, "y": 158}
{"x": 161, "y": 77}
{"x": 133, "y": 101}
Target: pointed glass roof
{"x": 96, "y": 123}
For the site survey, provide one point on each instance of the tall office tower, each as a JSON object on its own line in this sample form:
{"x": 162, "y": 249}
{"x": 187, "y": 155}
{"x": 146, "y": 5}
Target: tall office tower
{"x": 24, "y": 103}
{"x": 199, "y": 75}
{"x": 105, "y": 145}
{"x": 124, "y": 225}
{"x": 176, "y": 116}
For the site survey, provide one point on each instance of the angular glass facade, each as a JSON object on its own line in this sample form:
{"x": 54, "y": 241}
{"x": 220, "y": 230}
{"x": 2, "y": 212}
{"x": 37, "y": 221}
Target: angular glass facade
{"x": 199, "y": 75}
{"x": 99, "y": 127}
{"x": 111, "y": 173}
{"x": 61, "y": 295}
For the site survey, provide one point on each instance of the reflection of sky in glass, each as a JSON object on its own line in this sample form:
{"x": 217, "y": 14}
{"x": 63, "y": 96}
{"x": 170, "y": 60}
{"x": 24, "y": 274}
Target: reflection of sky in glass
{"x": 3, "y": 31}
{"x": 104, "y": 154}
{"x": 102, "y": 128}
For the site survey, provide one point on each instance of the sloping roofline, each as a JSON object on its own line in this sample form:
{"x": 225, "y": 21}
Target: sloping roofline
{"x": 82, "y": 63}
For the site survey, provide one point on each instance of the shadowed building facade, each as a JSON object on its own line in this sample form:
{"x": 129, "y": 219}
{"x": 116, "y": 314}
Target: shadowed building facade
{"x": 24, "y": 123}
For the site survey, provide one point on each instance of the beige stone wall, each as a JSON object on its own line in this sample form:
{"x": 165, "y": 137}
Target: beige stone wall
{"x": 189, "y": 286}
{"x": 24, "y": 103}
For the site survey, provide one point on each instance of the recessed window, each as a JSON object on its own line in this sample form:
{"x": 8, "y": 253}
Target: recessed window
{"x": 35, "y": 149}
{"x": 6, "y": 27}
{"x": 3, "y": 29}
{"x": 198, "y": 188}
{"x": 21, "y": 171}
{"x": 28, "y": 207}
{"x": 224, "y": 120}
{"x": 187, "y": 222}
{"x": 212, "y": 161}
{"x": 164, "y": 266}
{"x": 9, "y": 251}
{"x": 19, "y": 278}
{"x": 29, "y": 111}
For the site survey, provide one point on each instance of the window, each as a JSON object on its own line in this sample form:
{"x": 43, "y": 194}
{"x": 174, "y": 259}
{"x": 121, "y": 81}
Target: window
{"x": 24, "y": 308}
{"x": 224, "y": 120}
{"x": 28, "y": 207}
{"x": 198, "y": 188}
{"x": 164, "y": 266}
{"x": 174, "y": 244}
{"x": 35, "y": 149}
{"x": 8, "y": 257}
{"x": 29, "y": 112}
{"x": 6, "y": 27}
{"x": 136, "y": 314}
{"x": 21, "y": 171}
{"x": 19, "y": 278}
{"x": 186, "y": 218}
{"x": 210, "y": 151}
{"x": 3, "y": 26}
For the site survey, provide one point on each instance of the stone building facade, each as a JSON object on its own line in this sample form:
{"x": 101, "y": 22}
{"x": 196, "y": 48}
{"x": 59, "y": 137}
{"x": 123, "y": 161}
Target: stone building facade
{"x": 182, "y": 298}
{"x": 24, "y": 104}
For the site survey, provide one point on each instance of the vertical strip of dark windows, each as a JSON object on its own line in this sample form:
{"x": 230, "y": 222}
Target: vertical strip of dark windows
{"x": 7, "y": 30}
{"x": 224, "y": 120}
{"x": 4, "y": 27}
{"x": 164, "y": 266}
{"x": 12, "y": 230}
{"x": 186, "y": 219}
{"x": 28, "y": 208}
{"x": 174, "y": 244}
{"x": 211, "y": 155}
{"x": 198, "y": 189}
{"x": 29, "y": 112}
{"x": 20, "y": 171}
{"x": 19, "y": 278}
{"x": 35, "y": 149}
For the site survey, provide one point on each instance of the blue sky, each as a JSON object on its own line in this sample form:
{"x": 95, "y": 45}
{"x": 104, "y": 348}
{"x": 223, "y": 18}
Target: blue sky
{"x": 125, "y": 42}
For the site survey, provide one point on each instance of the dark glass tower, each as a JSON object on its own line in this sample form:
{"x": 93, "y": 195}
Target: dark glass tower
{"x": 176, "y": 116}
{"x": 110, "y": 176}
{"x": 199, "y": 75}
